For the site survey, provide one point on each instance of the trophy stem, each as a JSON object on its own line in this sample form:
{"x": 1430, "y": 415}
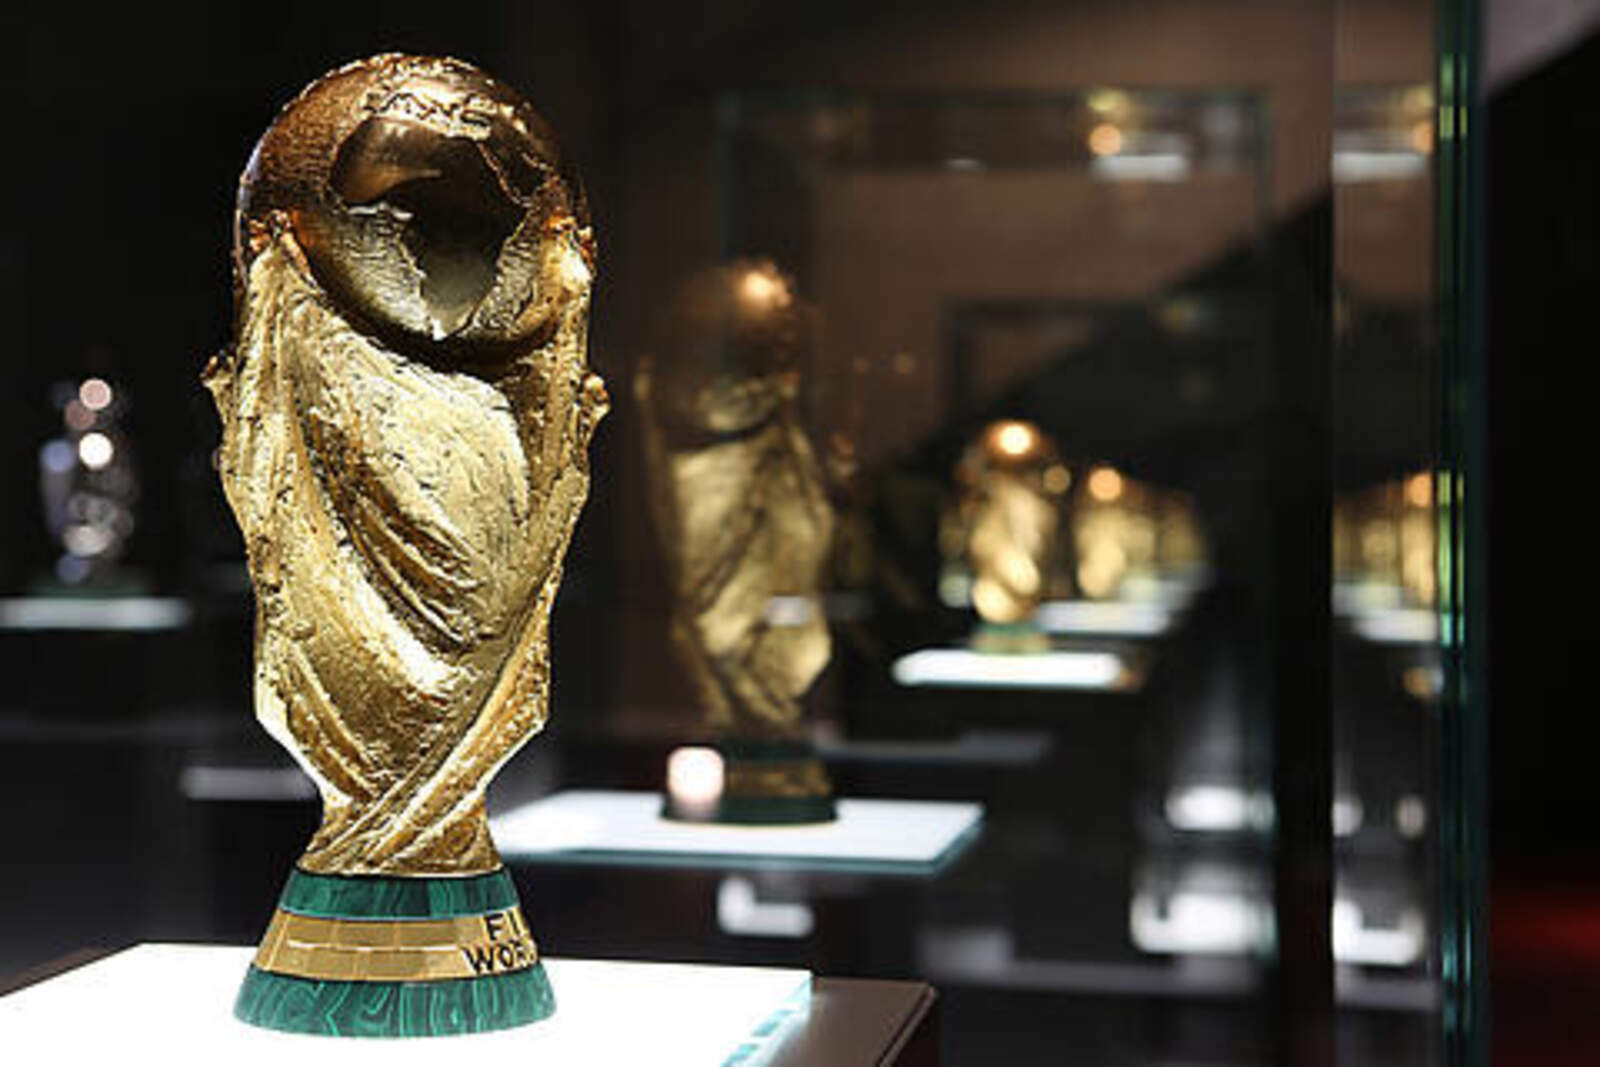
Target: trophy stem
{"x": 396, "y": 957}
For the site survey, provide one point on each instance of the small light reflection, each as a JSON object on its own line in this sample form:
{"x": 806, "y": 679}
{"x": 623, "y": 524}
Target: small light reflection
{"x": 1108, "y": 101}
{"x": 1105, "y": 484}
{"x": 1423, "y": 683}
{"x": 1348, "y": 815}
{"x": 1411, "y": 816}
{"x": 96, "y": 450}
{"x": 1105, "y": 139}
{"x": 78, "y": 416}
{"x": 1057, "y": 478}
{"x": 1419, "y": 490}
{"x": 763, "y": 289}
{"x": 95, "y": 394}
{"x": 787, "y": 611}
{"x": 695, "y": 776}
{"x": 58, "y": 457}
{"x": 741, "y": 913}
{"x": 72, "y": 569}
{"x": 1198, "y": 923}
{"x": 1422, "y": 137}
{"x": 85, "y": 540}
{"x": 1356, "y": 942}
{"x": 1218, "y": 809}
{"x": 1015, "y": 438}
{"x": 1418, "y": 98}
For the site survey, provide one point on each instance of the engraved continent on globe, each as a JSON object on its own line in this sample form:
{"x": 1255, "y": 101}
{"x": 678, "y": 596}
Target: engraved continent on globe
{"x": 428, "y": 199}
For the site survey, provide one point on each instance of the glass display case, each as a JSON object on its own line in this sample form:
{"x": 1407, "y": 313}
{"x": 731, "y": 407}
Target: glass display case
{"x": 1025, "y": 554}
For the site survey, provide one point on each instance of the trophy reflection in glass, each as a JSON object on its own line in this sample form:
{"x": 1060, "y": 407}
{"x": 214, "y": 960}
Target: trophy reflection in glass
{"x": 406, "y": 415}
{"x": 746, "y": 531}
{"x": 1385, "y": 545}
{"x": 1007, "y": 520}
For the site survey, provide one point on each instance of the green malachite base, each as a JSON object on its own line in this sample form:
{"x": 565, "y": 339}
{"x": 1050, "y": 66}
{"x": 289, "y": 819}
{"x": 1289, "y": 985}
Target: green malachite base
{"x": 395, "y": 1009}
{"x": 775, "y": 811}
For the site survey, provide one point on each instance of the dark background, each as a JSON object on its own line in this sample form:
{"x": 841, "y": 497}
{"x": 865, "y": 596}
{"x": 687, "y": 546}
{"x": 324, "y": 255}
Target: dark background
{"x": 1543, "y": 258}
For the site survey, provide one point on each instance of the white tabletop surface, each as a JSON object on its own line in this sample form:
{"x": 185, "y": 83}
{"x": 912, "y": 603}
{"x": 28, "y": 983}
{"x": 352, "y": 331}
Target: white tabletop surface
{"x": 887, "y": 835}
{"x": 173, "y": 1005}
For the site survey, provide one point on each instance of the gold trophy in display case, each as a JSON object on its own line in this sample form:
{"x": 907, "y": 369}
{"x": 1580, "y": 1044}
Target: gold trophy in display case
{"x": 746, "y": 530}
{"x": 406, "y": 416}
{"x": 1007, "y": 520}
{"x": 1128, "y": 535}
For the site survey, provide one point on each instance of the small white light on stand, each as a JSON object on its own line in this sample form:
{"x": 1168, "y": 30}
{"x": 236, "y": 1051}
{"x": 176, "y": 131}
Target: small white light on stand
{"x": 695, "y": 777}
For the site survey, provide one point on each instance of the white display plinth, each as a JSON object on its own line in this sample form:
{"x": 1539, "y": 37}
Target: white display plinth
{"x": 962, "y": 668}
{"x": 869, "y": 836}
{"x": 173, "y": 1005}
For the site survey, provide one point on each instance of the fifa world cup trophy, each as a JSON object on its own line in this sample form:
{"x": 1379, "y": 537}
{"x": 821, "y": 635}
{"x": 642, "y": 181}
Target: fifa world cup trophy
{"x": 406, "y": 415}
{"x": 1011, "y": 482}
{"x": 746, "y": 529}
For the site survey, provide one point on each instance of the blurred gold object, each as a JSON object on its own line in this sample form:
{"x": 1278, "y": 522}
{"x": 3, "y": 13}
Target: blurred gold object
{"x": 406, "y": 416}
{"x": 1123, "y": 529}
{"x": 1385, "y": 541}
{"x": 744, "y": 522}
{"x": 1009, "y": 514}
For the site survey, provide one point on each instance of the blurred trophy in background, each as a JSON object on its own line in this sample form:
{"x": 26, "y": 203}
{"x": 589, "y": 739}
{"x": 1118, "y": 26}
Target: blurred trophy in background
{"x": 1128, "y": 538}
{"x": 406, "y": 415}
{"x": 746, "y": 530}
{"x": 1385, "y": 546}
{"x": 89, "y": 486}
{"x": 1007, "y": 519}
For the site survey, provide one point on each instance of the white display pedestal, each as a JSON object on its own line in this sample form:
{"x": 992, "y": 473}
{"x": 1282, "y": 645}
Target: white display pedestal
{"x": 173, "y": 1005}
{"x": 1100, "y": 670}
{"x": 905, "y": 837}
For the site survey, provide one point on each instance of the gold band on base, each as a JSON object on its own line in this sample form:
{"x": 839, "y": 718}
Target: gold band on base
{"x": 396, "y": 950}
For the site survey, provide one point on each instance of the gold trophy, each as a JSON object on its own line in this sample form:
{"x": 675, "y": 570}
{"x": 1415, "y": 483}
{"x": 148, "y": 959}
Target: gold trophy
{"x": 1127, "y": 534}
{"x": 1008, "y": 517}
{"x": 1385, "y": 543}
{"x": 406, "y": 416}
{"x": 746, "y": 529}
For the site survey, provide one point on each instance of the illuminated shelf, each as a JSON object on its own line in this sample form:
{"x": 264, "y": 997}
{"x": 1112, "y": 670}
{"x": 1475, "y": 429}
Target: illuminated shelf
{"x": 135, "y": 614}
{"x": 1397, "y": 626}
{"x": 174, "y": 1004}
{"x": 891, "y": 837}
{"x": 1104, "y": 618}
{"x": 960, "y": 668}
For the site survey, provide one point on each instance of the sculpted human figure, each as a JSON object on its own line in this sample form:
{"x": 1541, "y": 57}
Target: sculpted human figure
{"x": 745, "y": 527}
{"x": 406, "y": 414}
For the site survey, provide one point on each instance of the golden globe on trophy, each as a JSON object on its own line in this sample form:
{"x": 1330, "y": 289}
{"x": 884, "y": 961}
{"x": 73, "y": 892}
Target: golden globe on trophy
{"x": 406, "y": 411}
